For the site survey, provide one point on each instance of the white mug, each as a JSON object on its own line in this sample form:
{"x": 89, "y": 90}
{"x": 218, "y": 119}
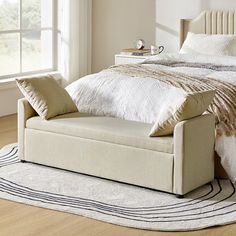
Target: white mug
{"x": 156, "y": 49}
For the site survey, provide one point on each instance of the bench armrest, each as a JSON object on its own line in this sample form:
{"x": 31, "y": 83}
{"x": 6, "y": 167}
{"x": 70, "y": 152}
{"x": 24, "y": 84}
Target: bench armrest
{"x": 25, "y": 111}
{"x": 194, "y": 141}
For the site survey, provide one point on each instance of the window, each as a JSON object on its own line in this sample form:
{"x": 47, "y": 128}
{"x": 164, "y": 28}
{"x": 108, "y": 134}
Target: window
{"x": 27, "y": 37}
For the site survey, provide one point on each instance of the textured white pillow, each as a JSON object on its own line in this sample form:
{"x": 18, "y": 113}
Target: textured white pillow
{"x": 215, "y": 44}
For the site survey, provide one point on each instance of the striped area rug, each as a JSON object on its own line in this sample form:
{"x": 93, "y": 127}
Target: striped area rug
{"x": 121, "y": 204}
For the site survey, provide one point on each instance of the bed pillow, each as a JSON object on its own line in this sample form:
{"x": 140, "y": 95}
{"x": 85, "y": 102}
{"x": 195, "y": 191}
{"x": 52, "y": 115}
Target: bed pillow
{"x": 46, "y": 96}
{"x": 216, "y": 44}
{"x": 187, "y": 107}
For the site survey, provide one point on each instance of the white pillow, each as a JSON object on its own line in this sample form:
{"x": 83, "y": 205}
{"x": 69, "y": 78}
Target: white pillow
{"x": 215, "y": 44}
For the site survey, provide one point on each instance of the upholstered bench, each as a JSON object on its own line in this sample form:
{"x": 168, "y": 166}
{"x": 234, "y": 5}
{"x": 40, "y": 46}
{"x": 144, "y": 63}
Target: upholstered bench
{"x": 120, "y": 150}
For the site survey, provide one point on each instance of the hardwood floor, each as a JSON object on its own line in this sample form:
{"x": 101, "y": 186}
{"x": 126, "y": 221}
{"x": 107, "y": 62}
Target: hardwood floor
{"x": 21, "y": 220}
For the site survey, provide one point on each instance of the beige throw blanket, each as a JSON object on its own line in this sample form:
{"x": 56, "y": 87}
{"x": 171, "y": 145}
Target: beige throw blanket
{"x": 223, "y": 106}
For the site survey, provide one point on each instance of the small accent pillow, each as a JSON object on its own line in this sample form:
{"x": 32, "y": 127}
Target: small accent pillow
{"x": 187, "y": 107}
{"x": 46, "y": 96}
{"x": 216, "y": 44}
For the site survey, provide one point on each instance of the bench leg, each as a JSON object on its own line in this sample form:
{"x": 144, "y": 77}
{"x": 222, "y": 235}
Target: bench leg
{"x": 179, "y": 196}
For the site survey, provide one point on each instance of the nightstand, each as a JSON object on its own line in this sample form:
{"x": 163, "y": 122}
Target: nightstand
{"x": 127, "y": 59}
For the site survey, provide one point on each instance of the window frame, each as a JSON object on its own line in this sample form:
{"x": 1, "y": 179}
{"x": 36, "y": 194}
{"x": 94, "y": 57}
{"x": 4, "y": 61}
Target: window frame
{"x": 54, "y": 42}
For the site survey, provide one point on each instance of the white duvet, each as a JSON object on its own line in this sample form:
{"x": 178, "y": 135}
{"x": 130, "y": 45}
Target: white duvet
{"x": 141, "y": 99}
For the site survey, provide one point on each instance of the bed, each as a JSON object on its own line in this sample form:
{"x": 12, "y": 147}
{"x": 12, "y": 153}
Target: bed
{"x": 114, "y": 100}
{"x": 210, "y": 22}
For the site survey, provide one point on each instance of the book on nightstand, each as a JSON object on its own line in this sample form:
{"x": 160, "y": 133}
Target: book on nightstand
{"x": 135, "y": 52}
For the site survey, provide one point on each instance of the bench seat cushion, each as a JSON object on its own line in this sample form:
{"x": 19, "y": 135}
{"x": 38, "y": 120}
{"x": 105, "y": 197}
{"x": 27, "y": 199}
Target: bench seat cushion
{"x": 107, "y": 129}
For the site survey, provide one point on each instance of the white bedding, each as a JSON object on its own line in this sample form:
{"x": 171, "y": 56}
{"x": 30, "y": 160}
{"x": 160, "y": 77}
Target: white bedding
{"x": 141, "y": 99}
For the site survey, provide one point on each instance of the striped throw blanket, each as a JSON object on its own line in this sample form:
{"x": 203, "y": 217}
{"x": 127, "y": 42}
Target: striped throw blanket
{"x": 224, "y": 104}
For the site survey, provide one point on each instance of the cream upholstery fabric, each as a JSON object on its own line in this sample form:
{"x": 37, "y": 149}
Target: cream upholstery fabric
{"x": 103, "y": 159}
{"x": 191, "y": 165}
{"x": 106, "y": 129}
{"x": 189, "y": 106}
{"x": 25, "y": 111}
{"x": 221, "y": 45}
{"x": 46, "y": 96}
{"x": 193, "y": 153}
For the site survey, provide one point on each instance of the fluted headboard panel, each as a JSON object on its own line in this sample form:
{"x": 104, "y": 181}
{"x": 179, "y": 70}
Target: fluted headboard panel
{"x": 209, "y": 22}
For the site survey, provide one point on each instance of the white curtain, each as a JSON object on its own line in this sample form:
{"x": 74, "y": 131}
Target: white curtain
{"x": 75, "y": 49}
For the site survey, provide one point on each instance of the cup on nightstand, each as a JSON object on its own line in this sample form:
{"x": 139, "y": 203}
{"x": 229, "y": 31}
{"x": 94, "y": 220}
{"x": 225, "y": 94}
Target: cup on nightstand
{"x": 156, "y": 49}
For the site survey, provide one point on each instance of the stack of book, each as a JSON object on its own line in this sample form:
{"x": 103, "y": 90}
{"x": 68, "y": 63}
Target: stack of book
{"x": 135, "y": 52}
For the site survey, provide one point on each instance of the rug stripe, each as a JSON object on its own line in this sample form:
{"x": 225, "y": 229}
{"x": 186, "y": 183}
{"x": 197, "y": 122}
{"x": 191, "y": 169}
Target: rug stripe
{"x": 13, "y": 157}
{"x": 68, "y": 198}
{"x": 129, "y": 218}
{"x": 13, "y": 153}
{"x": 9, "y": 152}
{"x": 58, "y": 200}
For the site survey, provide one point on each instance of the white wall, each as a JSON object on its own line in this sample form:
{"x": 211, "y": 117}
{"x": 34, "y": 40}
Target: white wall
{"x": 169, "y": 13}
{"x": 116, "y": 25}
{"x": 8, "y": 100}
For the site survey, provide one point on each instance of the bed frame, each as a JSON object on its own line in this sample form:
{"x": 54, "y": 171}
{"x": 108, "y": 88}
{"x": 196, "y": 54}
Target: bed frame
{"x": 210, "y": 22}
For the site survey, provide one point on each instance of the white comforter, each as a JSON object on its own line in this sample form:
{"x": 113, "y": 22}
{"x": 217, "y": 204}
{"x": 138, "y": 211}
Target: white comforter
{"x": 141, "y": 99}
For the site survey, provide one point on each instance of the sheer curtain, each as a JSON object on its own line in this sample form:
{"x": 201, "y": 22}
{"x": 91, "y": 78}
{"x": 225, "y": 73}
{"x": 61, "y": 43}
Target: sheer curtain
{"x": 75, "y": 49}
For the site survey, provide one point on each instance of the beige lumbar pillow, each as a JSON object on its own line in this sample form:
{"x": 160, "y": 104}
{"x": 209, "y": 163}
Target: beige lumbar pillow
{"x": 187, "y": 107}
{"x": 46, "y": 96}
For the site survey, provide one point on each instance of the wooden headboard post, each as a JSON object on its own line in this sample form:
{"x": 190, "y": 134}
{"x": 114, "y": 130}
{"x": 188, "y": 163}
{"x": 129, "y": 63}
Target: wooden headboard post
{"x": 209, "y": 22}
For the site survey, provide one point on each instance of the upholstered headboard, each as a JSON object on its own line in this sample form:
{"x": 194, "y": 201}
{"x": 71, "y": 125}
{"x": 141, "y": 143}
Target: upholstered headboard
{"x": 209, "y": 22}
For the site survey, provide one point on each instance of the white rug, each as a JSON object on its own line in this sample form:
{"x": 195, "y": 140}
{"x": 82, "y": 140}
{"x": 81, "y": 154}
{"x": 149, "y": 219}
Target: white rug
{"x": 121, "y": 204}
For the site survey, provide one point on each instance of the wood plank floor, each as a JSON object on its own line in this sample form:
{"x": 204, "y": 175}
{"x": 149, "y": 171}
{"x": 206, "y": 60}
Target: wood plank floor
{"x": 22, "y": 220}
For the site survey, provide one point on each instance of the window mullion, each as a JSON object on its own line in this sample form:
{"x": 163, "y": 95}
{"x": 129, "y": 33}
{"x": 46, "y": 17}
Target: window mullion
{"x": 24, "y": 30}
{"x": 54, "y": 34}
{"x": 9, "y": 31}
{"x": 20, "y": 36}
